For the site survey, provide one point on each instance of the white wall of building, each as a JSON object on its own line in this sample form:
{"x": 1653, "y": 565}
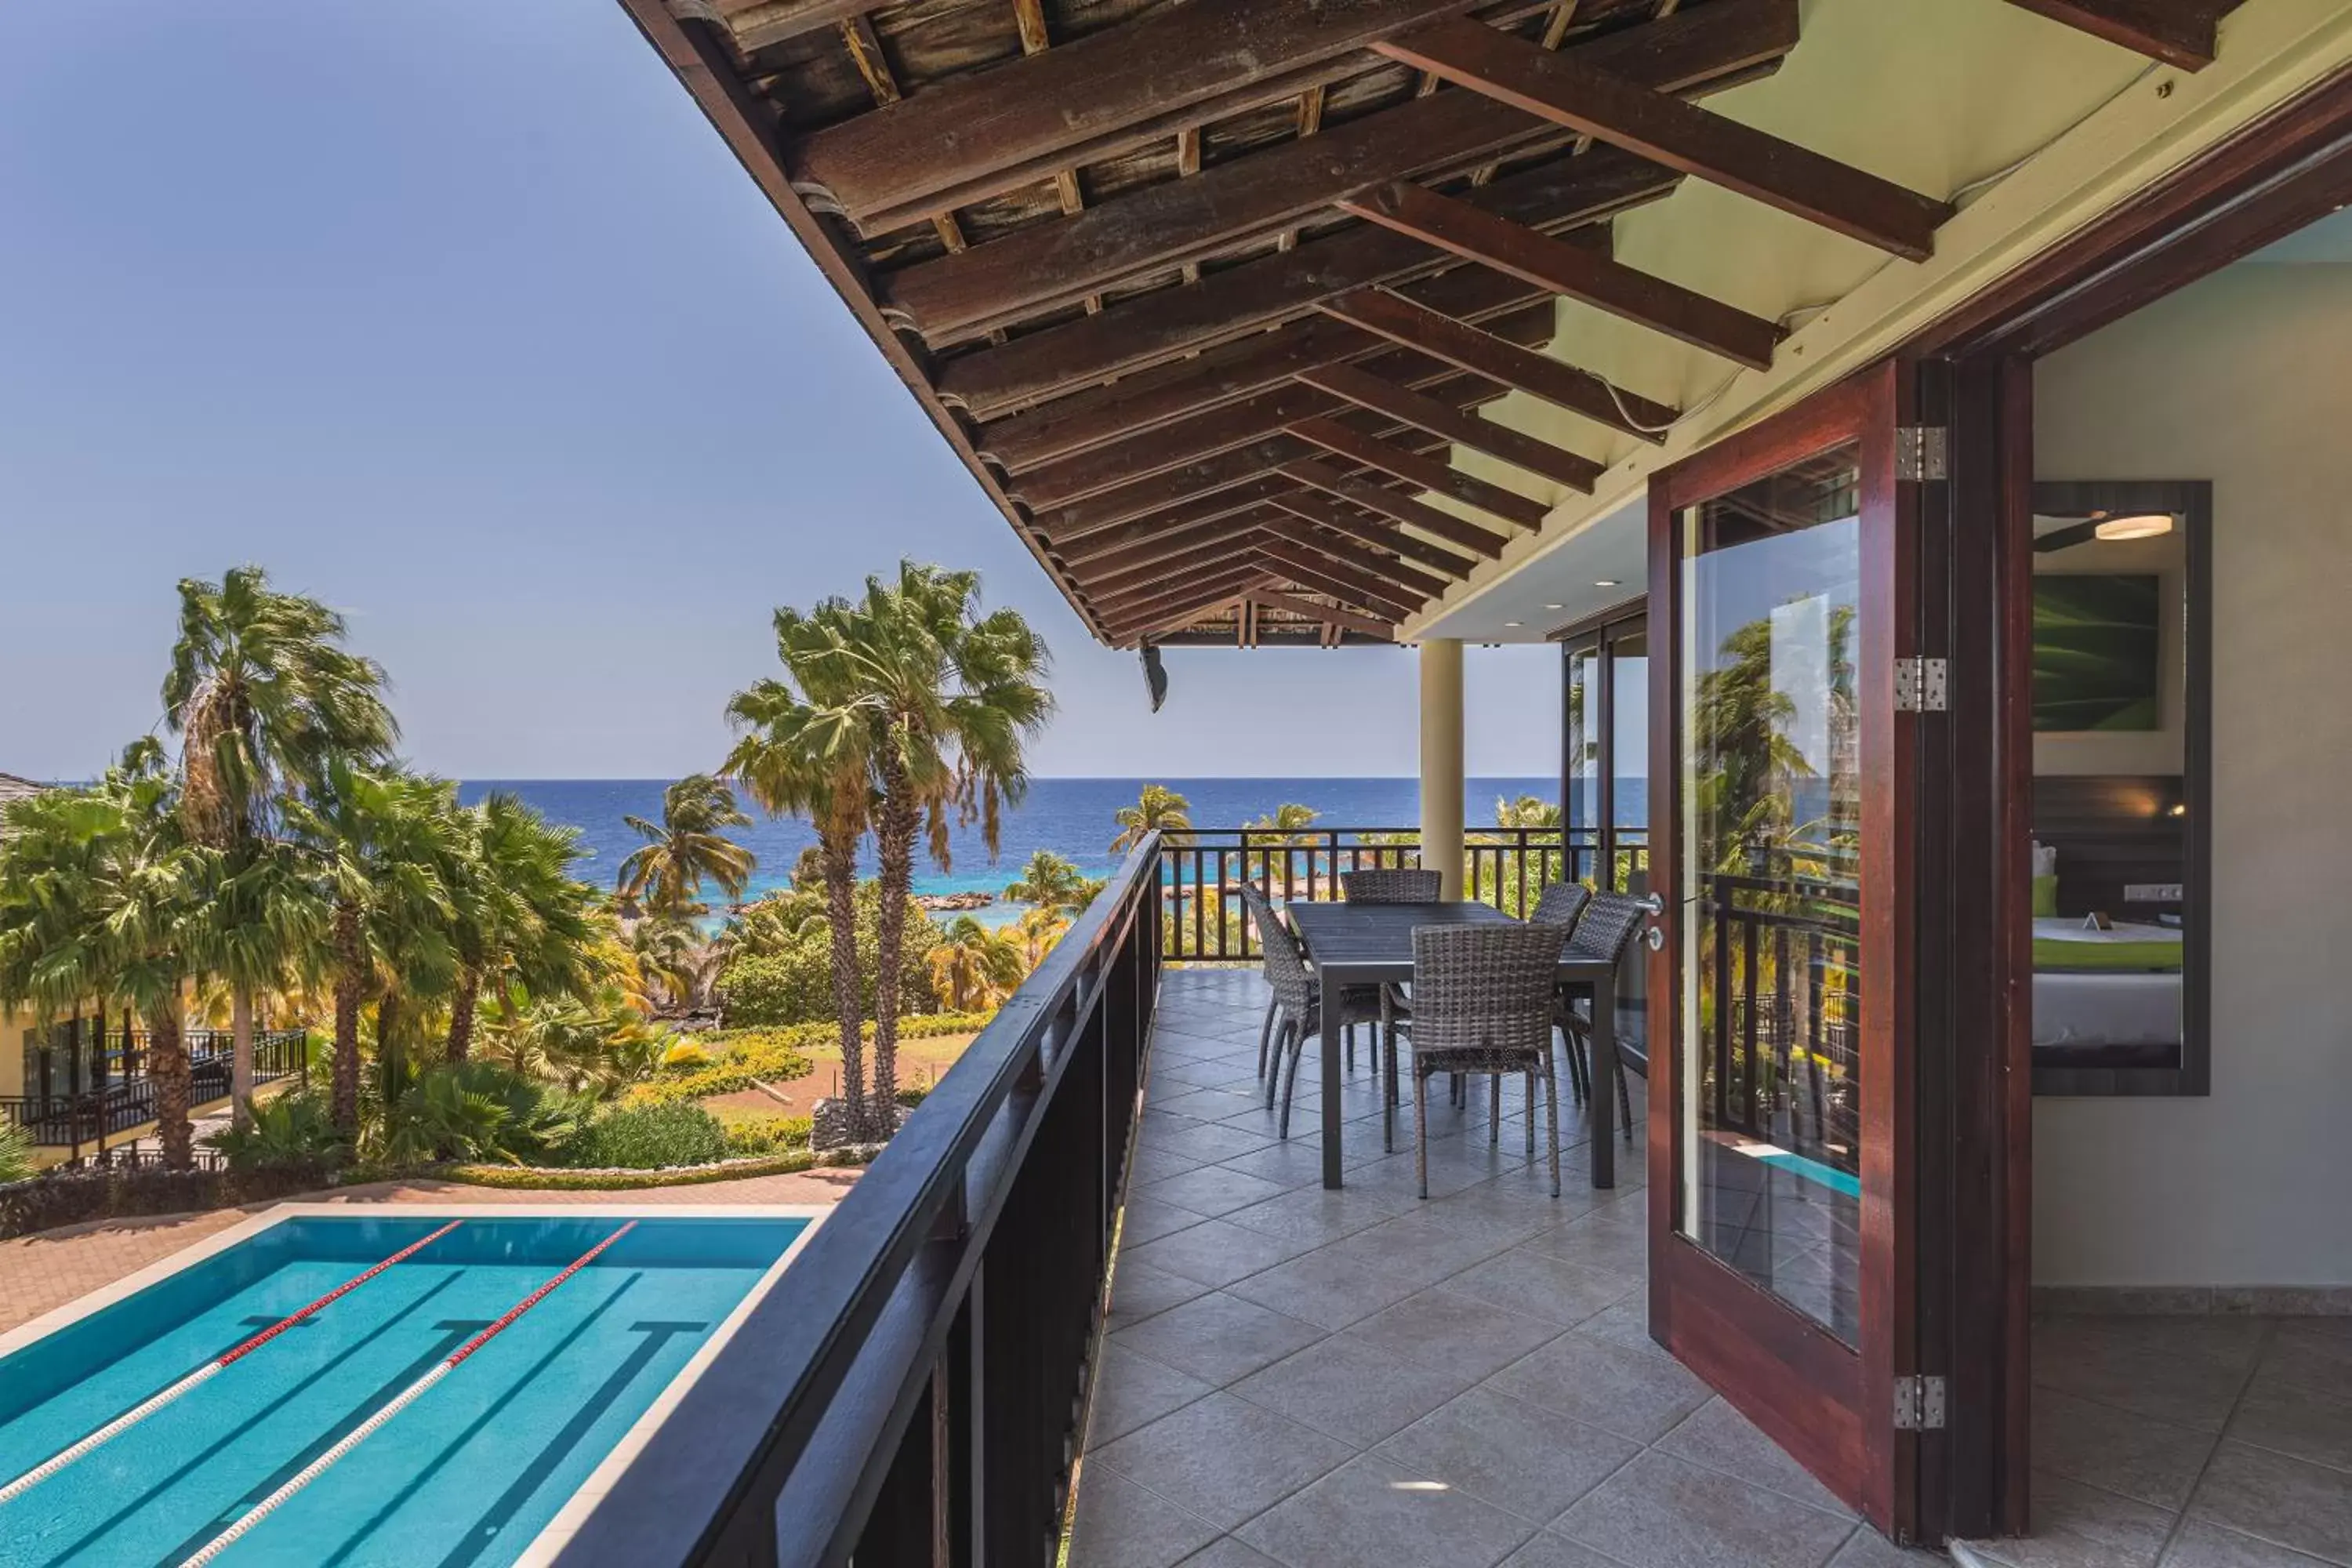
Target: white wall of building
{"x": 2244, "y": 379}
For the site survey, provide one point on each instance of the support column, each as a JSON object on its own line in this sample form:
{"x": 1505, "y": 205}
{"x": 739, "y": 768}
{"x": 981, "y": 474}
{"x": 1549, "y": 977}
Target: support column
{"x": 1441, "y": 760}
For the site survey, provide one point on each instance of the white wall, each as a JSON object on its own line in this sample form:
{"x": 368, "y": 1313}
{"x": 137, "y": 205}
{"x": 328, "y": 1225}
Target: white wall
{"x": 2246, "y": 380}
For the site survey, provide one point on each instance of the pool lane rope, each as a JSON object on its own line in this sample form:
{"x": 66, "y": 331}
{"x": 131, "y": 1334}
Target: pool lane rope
{"x": 389, "y": 1408}
{"x": 148, "y": 1406}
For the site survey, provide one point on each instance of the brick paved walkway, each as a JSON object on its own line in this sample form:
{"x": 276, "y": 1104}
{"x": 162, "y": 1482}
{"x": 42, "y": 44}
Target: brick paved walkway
{"x": 39, "y": 1273}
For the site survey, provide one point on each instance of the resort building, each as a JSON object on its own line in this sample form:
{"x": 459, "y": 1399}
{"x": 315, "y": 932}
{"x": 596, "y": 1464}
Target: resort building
{"x": 1918, "y": 423}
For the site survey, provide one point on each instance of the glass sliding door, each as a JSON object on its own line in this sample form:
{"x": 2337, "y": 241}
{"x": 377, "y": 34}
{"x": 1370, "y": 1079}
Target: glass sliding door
{"x": 1780, "y": 579}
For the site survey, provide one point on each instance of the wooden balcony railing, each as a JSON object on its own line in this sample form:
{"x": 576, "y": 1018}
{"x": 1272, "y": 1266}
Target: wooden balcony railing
{"x": 910, "y": 1391}
{"x": 1202, "y": 870}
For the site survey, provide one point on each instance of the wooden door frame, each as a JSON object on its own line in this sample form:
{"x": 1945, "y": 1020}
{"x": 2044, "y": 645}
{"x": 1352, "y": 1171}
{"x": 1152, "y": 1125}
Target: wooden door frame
{"x": 1828, "y": 1404}
{"x": 1976, "y": 372}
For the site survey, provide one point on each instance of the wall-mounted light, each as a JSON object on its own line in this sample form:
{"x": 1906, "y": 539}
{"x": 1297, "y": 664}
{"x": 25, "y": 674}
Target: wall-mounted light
{"x": 2180, "y": 809}
{"x": 2137, "y": 525}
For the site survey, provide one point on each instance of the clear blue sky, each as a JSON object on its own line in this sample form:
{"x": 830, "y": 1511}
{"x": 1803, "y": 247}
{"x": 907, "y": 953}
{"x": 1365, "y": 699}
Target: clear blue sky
{"x": 461, "y": 318}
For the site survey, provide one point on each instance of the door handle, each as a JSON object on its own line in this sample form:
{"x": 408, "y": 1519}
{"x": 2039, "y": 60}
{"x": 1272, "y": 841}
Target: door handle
{"x": 1655, "y": 937}
{"x": 1655, "y": 906}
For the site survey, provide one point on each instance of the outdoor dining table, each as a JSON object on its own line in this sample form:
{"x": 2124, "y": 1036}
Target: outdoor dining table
{"x": 1365, "y": 944}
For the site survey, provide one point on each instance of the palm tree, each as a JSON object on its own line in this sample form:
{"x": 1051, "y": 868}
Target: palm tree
{"x": 975, "y": 967}
{"x": 518, "y": 915}
{"x": 687, "y": 847}
{"x": 384, "y": 844}
{"x": 804, "y": 751}
{"x": 1158, "y": 810}
{"x": 1052, "y": 883}
{"x": 1040, "y": 929}
{"x": 1527, "y": 811}
{"x": 949, "y": 697}
{"x": 262, "y": 693}
{"x": 101, "y": 893}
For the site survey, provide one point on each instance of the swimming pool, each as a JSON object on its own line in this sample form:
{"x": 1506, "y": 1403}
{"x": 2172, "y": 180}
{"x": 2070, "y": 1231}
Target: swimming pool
{"x": 454, "y": 1388}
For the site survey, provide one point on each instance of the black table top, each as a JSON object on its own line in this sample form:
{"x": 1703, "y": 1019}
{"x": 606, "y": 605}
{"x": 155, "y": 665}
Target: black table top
{"x": 1353, "y": 936}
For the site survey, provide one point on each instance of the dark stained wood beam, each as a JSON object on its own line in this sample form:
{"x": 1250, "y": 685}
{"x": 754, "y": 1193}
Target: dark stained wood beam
{"x": 756, "y": 24}
{"x": 1180, "y": 608}
{"x": 1200, "y": 556}
{"x": 1179, "y": 67}
{"x": 1430, "y": 473}
{"x": 1325, "y": 484}
{"x": 1457, "y": 342}
{"x": 2181, "y": 33}
{"x": 1329, "y": 614}
{"x": 1205, "y": 588}
{"x": 1555, "y": 463}
{"x": 1371, "y": 564}
{"x": 1080, "y": 544}
{"x": 1314, "y": 506}
{"x": 1463, "y": 228}
{"x": 1506, "y": 309}
{"x": 1161, "y": 491}
{"x": 1169, "y": 544}
{"x": 1310, "y": 569}
{"x": 1592, "y": 100}
{"x": 1562, "y": 195}
{"x": 1171, "y": 445}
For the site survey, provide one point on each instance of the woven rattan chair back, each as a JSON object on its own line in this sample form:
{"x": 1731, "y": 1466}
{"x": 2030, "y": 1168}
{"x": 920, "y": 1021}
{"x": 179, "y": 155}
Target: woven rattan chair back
{"x": 1608, "y": 925}
{"x": 1286, "y": 965}
{"x": 1391, "y": 887}
{"x": 1484, "y": 990}
{"x": 1561, "y": 904}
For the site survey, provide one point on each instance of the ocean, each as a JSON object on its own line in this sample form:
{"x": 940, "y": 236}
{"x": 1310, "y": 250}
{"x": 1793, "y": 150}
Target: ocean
{"x": 1073, "y": 818}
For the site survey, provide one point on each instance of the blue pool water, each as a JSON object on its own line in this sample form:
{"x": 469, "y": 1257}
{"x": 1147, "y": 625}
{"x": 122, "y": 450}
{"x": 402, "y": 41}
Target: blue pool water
{"x": 465, "y": 1477}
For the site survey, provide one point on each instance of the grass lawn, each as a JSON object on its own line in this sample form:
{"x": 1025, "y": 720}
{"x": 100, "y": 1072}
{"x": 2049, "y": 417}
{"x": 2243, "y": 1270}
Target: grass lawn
{"x": 920, "y": 1062}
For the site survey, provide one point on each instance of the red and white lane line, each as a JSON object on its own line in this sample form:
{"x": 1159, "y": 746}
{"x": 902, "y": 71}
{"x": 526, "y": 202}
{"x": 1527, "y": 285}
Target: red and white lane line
{"x": 389, "y": 1408}
{"x": 148, "y": 1406}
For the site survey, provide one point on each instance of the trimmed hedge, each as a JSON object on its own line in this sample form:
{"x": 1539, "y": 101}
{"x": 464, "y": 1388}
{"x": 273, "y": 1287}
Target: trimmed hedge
{"x": 646, "y": 1138}
{"x": 774, "y": 1056}
{"x": 527, "y": 1177}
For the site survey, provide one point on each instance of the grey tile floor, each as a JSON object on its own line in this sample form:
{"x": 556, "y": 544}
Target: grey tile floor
{"x": 1343, "y": 1380}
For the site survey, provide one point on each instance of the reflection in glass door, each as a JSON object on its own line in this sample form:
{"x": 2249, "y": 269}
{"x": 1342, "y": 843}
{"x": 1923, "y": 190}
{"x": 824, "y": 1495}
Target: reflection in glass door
{"x": 1605, "y": 786}
{"x": 1769, "y": 884}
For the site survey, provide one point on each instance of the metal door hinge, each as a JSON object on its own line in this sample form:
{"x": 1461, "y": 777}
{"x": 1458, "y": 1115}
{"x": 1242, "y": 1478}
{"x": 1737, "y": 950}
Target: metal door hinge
{"x": 1921, "y": 685}
{"x": 1918, "y": 1404}
{"x": 1921, "y": 452}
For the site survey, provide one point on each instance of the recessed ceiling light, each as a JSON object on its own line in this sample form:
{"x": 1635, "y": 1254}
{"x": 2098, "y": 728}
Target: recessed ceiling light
{"x": 1604, "y": 581}
{"x": 1555, "y": 607}
{"x": 2143, "y": 525}
{"x": 1514, "y": 623}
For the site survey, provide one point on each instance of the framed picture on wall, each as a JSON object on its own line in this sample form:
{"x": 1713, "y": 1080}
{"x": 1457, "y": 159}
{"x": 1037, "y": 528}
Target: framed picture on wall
{"x": 2096, "y": 662}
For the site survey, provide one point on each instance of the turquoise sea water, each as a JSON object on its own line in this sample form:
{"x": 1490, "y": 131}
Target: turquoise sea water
{"x": 1072, "y": 818}
{"x": 464, "y": 1477}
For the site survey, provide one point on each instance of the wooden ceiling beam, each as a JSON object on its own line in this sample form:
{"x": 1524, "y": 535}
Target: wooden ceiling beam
{"x": 1161, "y": 491}
{"x": 756, "y": 24}
{"x": 1205, "y": 588}
{"x": 1557, "y": 464}
{"x": 1319, "y": 507}
{"x": 1463, "y": 228}
{"x": 1168, "y": 543}
{"x": 1166, "y": 621}
{"x": 1592, "y": 100}
{"x": 1565, "y": 194}
{"x": 1076, "y": 545}
{"x": 2183, "y": 33}
{"x": 1371, "y": 564}
{"x": 1326, "y": 486}
{"x": 1203, "y": 434}
{"x": 1430, "y": 473}
{"x": 1321, "y": 575}
{"x": 1435, "y": 332}
{"x": 1058, "y": 261}
{"x": 1179, "y": 67}
{"x": 1200, "y": 558}
{"x": 1329, "y": 614}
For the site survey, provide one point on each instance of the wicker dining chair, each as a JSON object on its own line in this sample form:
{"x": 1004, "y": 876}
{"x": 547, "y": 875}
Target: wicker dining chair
{"x": 1610, "y": 926}
{"x": 1298, "y": 998}
{"x": 1391, "y": 886}
{"x": 1483, "y": 1003}
{"x": 1560, "y": 905}
{"x": 1260, "y": 913}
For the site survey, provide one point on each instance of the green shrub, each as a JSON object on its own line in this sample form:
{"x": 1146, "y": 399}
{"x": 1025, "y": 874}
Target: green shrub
{"x": 288, "y": 1129}
{"x": 782, "y": 973}
{"x": 766, "y": 1134}
{"x": 647, "y": 1137}
{"x": 479, "y": 1110}
{"x": 16, "y": 1153}
{"x": 911, "y": 1095}
{"x": 511, "y": 1178}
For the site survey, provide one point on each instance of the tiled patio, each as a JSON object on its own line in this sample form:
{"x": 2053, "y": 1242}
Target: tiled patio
{"x": 1337, "y": 1380}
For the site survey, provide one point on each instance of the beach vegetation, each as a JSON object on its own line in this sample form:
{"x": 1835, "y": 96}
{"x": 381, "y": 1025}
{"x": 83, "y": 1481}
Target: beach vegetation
{"x": 1054, "y": 883}
{"x": 649, "y": 1138}
{"x": 974, "y": 967}
{"x": 687, "y": 847}
{"x": 1158, "y": 809}
{"x": 780, "y": 969}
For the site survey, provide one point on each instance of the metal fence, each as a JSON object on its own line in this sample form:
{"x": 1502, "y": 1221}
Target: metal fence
{"x": 1201, "y": 871}
{"x": 910, "y": 1391}
{"x": 84, "y": 1087}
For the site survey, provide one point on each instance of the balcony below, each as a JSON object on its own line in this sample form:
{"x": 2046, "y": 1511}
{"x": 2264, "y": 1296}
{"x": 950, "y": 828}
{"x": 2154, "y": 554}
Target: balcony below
{"x": 1302, "y": 1377}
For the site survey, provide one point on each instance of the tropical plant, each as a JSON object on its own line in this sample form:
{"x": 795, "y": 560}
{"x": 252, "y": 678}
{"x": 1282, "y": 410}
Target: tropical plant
{"x": 1158, "y": 810}
{"x": 780, "y": 969}
{"x": 518, "y": 917}
{"x": 975, "y": 967}
{"x": 16, "y": 1153}
{"x": 263, "y": 696}
{"x": 103, "y": 894}
{"x": 1052, "y": 882}
{"x": 1527, "y": 811}
{"x": 478, "y": 1111}
{"x": 290, "y": 1130}
{"x": 647, "y": 1137}
{"x": 687, "y": 847}
{"x": 1039, "y": 930}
